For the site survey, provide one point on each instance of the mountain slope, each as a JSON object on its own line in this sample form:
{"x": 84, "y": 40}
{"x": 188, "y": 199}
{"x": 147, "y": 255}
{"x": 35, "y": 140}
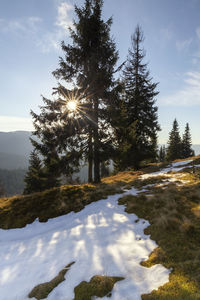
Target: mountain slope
{"x": 15, "y": 148}
{"x": 102, "y": 239}
{"x": 16, "y": 142}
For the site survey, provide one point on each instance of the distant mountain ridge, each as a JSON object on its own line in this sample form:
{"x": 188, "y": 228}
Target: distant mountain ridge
{"x": 15, "y": 148}
{"x": 11, "y": 161}
{"x": 15, "y": 142}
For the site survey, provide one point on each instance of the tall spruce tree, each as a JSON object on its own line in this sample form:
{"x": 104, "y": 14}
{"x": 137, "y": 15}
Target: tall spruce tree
{"x": 174, "y": 149}
{"x": 187, "y": 143}
{"x": 89, "y": 63}
{"x": 140, "y": 141}
{"x": 124, "y": 132}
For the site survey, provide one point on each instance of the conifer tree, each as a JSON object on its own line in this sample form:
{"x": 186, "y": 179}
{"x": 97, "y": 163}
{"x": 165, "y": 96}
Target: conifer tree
{"x": 187, "y": 143}
{"x": 89, "y": 63}
{"x": 174, "y": 150}
{"x": 34, "y": 176}
{"x": 56, "y": 140}
{"x": 2, "y": 190}
{"x": 104, "y": 169}
{"x": 124, "y": 133}
{"x": 141, "y": 112}
{"x": 162, "y": 154}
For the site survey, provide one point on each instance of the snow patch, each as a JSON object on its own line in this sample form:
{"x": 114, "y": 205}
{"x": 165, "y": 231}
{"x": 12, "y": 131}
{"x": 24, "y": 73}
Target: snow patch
{"x": 172, "y": 167}
{"x": 102, "y": 239}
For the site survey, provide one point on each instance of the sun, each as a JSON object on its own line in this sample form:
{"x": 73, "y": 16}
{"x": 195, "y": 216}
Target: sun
{"x": 72, "y": 105}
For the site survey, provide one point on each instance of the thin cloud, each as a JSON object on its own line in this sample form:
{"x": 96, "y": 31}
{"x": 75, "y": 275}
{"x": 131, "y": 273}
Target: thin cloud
{"x": 196, "y": 55}
{"x": 198, "y": 32}
{"x": 166, "y": 34}
{"x": 51, "y": 40}
{"x": 64, "y": 19}
{"x": 189, "y": 95}
{"x": 183, "y": 45}
{"x": 45, "y": 40}
{"x": 8, "y": 123}
{"x": 17, "y": 26}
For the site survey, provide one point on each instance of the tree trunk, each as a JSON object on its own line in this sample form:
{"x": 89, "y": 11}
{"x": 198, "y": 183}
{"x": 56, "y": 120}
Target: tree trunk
{"x": 90, "y": 157}
{"x": 97, "y": 178}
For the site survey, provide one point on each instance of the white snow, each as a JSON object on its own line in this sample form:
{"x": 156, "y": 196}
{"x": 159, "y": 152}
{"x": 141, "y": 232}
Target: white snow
{"x": 172, "y": 167}
{"x": 102, "y": 239}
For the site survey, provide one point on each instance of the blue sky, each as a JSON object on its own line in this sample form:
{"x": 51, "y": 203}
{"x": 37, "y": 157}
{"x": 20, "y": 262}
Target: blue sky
{"x": 30, "y": 36}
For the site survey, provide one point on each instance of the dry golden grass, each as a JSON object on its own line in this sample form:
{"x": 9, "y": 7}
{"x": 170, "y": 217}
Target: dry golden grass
{"x": 21, "y": 210}
{"x": 122, "y": 177}
{"x": 174, "y": 217}
{"x": 194, "y": 158}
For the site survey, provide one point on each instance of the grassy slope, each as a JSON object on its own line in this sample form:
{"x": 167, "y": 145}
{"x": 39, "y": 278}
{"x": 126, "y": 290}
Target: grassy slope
{"x": 174, "y": 215}
{"x": 20, "y": 210}
{"x": 173, "y": 212}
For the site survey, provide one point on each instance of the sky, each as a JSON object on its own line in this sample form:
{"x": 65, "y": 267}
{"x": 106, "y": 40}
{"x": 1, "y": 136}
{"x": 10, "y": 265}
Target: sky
{"x": 31, "y": 32}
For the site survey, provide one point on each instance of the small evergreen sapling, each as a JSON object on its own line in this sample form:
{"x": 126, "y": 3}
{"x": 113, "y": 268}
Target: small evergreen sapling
{"x": 34, "y": 176}
{"x": 174, "y": 150}
{"x": 162, "y": 154}
{"x": 187, "y": 150}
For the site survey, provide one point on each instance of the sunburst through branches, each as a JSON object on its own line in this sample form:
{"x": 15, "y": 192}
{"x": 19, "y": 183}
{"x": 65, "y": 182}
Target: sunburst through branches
{"x": 76, "y": 104}
{"x": 72, "y": 105}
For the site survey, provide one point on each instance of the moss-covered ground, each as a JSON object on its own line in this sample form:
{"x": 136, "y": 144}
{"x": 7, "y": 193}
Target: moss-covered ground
{"x": 99, "y": 286}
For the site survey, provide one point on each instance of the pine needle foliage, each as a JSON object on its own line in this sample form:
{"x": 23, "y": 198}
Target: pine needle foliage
{"x": 187, "y": 143}
{"x": 89, "y": 64}
{"x": 174, "y": 150}
{"x": 33, "y": 179}
{"x": 162, "y": 154}
{"x": 56, "y": 141}
{"x": 177, "y": 147}
{"x": 140, "y": 116}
